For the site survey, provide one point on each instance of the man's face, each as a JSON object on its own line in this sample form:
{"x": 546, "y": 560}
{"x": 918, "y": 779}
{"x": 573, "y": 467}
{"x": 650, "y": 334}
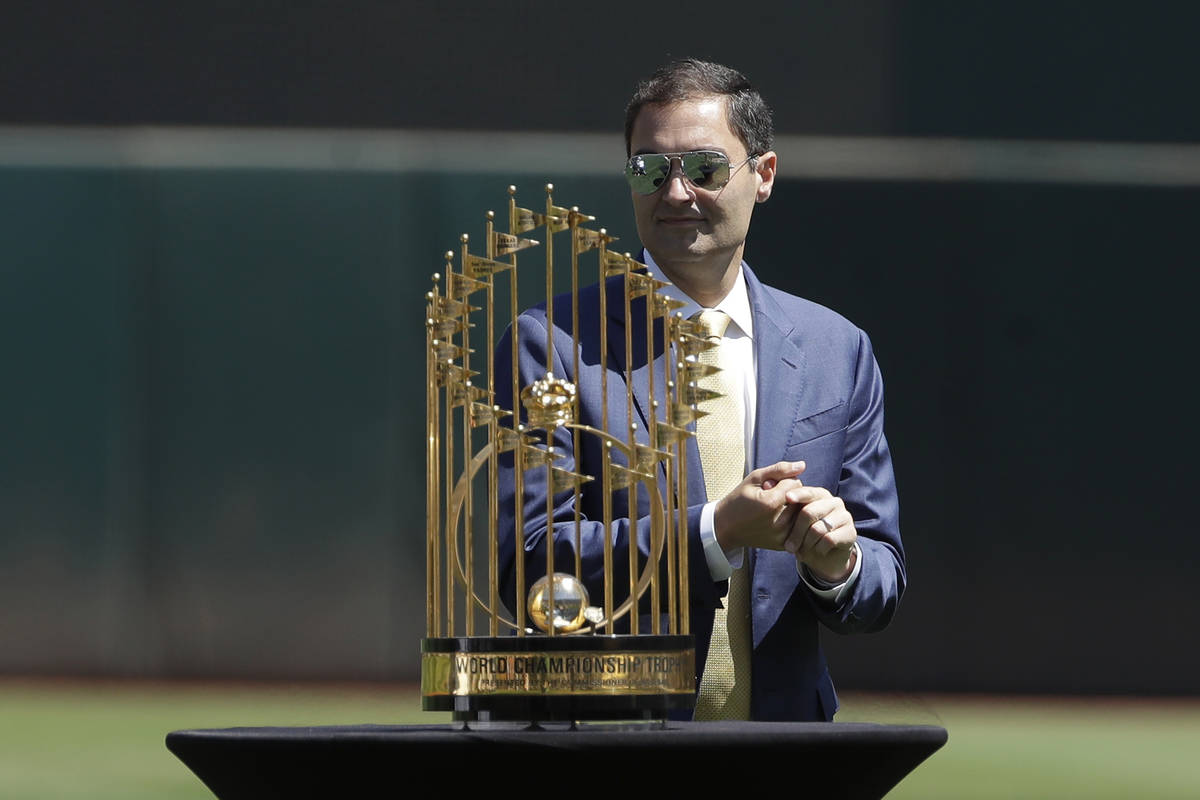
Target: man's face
{"x": 680, "y": 223}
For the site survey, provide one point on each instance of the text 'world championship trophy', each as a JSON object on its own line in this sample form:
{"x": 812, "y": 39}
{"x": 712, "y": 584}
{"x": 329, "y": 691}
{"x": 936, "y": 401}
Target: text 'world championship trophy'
{"x": 619, "y": 647}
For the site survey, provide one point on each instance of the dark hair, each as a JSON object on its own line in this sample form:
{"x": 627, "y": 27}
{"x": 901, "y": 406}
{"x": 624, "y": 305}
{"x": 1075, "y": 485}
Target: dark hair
{"x": 689, "y": 79}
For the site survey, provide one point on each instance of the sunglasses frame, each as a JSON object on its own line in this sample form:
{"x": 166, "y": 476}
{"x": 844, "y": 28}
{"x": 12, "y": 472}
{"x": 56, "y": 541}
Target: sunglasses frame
{"x": 631, "y": 176}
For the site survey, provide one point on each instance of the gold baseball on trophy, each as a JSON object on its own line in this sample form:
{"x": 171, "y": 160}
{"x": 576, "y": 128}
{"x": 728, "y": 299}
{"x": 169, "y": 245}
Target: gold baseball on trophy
{"x": 570, "y": 602}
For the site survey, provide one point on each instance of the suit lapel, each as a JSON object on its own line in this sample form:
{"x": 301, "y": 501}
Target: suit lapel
{"x": 781, "y": 375}
{"x": 781, "y": 381}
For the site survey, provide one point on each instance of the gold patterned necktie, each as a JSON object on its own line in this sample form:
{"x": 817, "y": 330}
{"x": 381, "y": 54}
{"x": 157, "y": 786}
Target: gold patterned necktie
{"x": 720, "y": 437}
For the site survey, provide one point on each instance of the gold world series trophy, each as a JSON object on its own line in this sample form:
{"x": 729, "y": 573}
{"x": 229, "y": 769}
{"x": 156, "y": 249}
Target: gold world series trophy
{"x": 621, "y": 651}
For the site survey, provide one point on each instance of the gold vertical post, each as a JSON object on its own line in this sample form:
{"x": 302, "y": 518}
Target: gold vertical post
{"x": 606, "y": 471}
{"x": 671, "y": 487}
{"x": 549, "y": 363}
{"x": 493, "y": 455}
{"x": 681, "y": 459}
{"x": 432, "y": 501}
{"x": 449, "y": 458}
{"x": 518, "y": 451}
{"x": 652, "y": 442}
{"x": 575, "y": 433}
{"x": 468, "y": 499}
{"x": 631, "y": 430}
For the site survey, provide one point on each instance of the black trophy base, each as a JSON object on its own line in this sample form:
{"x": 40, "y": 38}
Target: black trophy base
{"x": 558, "y": 678}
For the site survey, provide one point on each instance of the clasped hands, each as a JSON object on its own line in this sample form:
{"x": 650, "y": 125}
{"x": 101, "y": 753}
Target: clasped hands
{"x": 772, "y": 509}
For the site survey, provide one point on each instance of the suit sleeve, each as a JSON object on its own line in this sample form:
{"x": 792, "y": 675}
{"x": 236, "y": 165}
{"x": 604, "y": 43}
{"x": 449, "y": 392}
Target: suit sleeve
{"x": 867, "y": 485}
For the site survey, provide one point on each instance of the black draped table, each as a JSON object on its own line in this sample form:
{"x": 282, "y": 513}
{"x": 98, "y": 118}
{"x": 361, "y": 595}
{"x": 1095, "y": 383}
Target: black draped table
{"x": 832, "y": 759}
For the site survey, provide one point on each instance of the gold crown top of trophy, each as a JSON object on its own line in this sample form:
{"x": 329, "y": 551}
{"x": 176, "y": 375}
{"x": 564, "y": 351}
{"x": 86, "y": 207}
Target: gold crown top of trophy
{"x": 553, "y": 652}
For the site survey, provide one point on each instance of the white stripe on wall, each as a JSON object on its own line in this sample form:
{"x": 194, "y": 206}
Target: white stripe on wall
{"x": 547, "y": 154}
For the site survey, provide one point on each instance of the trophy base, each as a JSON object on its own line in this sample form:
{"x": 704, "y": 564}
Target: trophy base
{"x": 558, "y": 678}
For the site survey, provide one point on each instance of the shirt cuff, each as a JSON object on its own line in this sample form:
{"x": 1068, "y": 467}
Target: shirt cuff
{"x": 833, "y": 593}
{"x": 720, "y": 564}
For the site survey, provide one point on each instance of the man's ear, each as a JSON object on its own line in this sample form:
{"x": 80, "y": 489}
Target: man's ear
{"x": 765, "y": 167}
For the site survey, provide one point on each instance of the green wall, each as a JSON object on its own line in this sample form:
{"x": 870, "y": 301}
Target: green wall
{"x": 213, "y": 462}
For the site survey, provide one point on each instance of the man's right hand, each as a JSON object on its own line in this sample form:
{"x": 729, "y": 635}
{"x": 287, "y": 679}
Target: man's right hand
{"x": 757, "y": 513}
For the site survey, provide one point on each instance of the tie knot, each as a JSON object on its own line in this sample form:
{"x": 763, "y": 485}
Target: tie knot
{"x": 712, "y": 323}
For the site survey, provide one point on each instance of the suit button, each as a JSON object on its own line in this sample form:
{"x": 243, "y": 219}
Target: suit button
{"x": 762, "y": 594}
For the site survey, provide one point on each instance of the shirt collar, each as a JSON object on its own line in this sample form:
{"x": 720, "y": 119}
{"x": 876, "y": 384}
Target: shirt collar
{"x": 736, "y": 304}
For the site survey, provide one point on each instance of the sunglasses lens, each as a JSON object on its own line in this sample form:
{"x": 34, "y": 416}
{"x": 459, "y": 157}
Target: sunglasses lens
{"x": 646, "y": 173}
{"x": 706, "y": 170}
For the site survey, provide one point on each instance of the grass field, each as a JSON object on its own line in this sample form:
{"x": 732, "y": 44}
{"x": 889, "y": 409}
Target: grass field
{"x": 106, "y": 740}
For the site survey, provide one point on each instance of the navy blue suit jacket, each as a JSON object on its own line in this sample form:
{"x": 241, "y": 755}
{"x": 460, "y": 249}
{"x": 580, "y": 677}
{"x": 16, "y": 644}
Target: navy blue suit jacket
{"x": 820, "y": 400}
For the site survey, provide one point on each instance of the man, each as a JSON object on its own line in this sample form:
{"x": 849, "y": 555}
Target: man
{"x": 810, "y": 532}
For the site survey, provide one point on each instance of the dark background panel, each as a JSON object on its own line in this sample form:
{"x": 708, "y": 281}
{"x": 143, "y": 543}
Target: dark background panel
{"x": 1070, "y": 69}
{"x": 1035, "y": 343}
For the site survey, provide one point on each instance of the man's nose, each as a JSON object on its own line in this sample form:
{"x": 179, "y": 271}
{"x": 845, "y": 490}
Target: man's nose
{"x": 678, "y": 189}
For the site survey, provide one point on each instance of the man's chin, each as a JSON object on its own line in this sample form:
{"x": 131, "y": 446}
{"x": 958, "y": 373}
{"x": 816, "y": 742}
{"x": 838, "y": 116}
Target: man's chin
{"x": 685, "y": 247}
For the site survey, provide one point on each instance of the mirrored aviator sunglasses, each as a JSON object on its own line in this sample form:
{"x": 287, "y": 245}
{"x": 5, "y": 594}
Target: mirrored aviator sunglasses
{"x": 704, "y": 169}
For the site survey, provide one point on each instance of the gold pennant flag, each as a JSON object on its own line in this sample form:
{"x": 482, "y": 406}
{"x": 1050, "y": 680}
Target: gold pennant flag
{"x": 483, "y": 414}
{"x": 563, "y": 479}
{"x": 445, "y": 328}
{"x": 559, "y": 218}
{"x": 641, "y": 284}
{"x": 577, "y": 217}
{"x": 461, "y": 286}
{"x": 691, "y": 370}
{"x": 463, "y": 393}
{"x": 450, "y": 372}
{"x": 587, "y": 239}
{"x": 448, "y": 307}
{"x": 507, "y": 243}
{"x": 616, "y": 263}
{"x": 620, "y": 477}
{"x": 682, "y": 414}
{"x": 692, "y": 394}
{"x": 479, "y": 266}
{"x": 446, "y": 351}
{"x": 508, "y": 439}
{"x": 539, "y": 455}
{"x": 526, "y": 220}
{"x": 688, "y": 327}
{"x": 664, "y": 305}
{"x": 647, "y": 457}
{"x": 668, "y": 435}
{"x": 692, "y": 346}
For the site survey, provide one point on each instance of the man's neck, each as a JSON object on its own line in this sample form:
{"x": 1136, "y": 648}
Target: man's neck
{"x": 706, "y": 283}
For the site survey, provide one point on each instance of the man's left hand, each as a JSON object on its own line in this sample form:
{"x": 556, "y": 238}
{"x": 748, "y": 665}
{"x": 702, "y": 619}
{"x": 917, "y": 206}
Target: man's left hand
{"x": 823, "y": 533}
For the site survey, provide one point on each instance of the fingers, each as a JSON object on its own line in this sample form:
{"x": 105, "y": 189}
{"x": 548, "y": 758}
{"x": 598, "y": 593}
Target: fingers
{"x": 776, "y": 472}
{"x": 820, "y": 526}
{"x": 757, "y": 513}
{"x": 803, "y": 495}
